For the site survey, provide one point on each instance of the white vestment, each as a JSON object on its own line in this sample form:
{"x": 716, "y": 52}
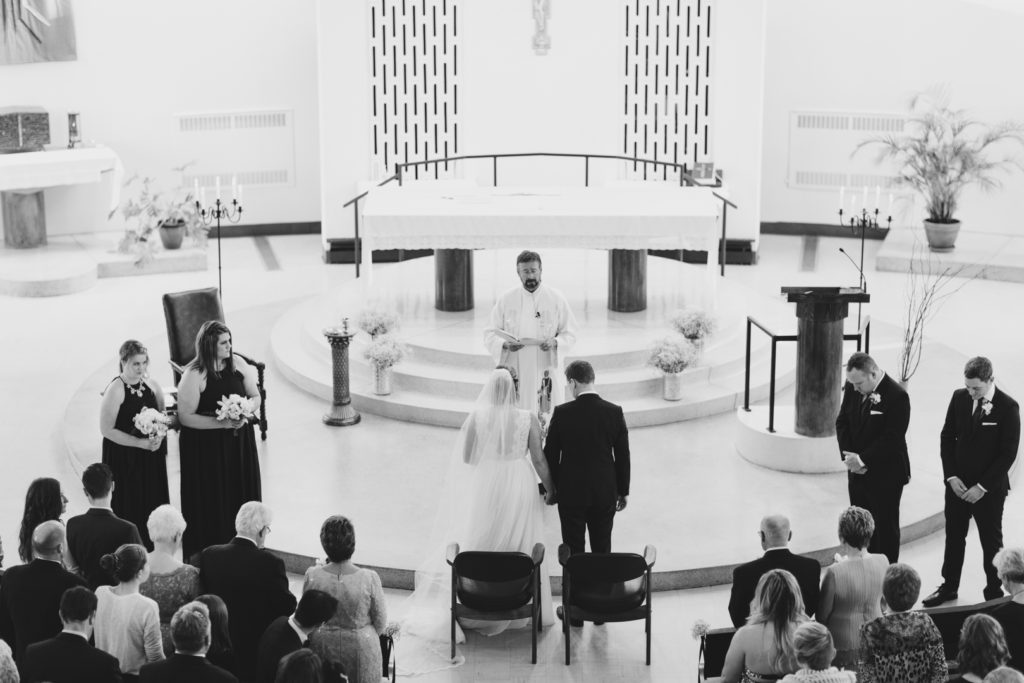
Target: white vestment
{"x": 541, "y": 314}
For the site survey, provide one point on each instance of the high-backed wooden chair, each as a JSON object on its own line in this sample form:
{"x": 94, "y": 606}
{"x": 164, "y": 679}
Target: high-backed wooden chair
{"x": 496, "y": 586}
{"x": 606, "y": 587}
{"x": 185, "y": 313}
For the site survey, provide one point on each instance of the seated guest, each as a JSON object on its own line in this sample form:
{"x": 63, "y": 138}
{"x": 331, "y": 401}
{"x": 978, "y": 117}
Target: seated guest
{"x": 814, "y": 653}
{"x": 171, "y": 584}
{"x": 775, "y": 537}
{"x": 350, "y": 640}
{"x": 762, "y": 650}
{"x": 287, "y": 634}
{"x": 98, "y": 531}
{"x": 221, "y": 652}
{"x": 128, "y": 623}
{"x": 31, "y": 593}
{"x": 982, "y": 648}
{"x": 190, "y": 631}
{"x": 1004, "y": 674}
{"x": 8, "y": 670}
{"x": 301, "y": 666}
{"x": 1009, "y": 564}
{"x": 851, "y": 590}
{"x": 44, "y": 501}
{"x": 251, "y": 581}
{"x": 902, "y": 645}
{"x": 69, "y": 658}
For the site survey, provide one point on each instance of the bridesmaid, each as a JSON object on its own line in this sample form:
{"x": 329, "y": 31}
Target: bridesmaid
{"x": 220, "y": 466}
{"x": 139, "y": 463}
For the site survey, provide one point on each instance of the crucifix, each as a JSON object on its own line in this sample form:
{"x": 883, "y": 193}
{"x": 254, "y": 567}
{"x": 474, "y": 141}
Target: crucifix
{"x": 541, "y": 14}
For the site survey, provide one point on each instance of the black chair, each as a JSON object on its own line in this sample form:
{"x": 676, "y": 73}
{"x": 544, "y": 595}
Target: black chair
{"x": 185, "y": 313}
{"x": 714, "y": 644}
{"x": 950, "y": 621}
{"x": 496, "y": 586}
{"x": 606, "y": 587}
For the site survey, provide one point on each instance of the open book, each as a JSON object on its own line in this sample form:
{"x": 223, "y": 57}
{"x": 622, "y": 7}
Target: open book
{"x": 527, "y": 341}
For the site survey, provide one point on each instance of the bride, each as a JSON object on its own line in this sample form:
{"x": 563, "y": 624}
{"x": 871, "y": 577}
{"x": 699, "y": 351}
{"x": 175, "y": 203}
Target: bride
{"x": 491, "y": 502}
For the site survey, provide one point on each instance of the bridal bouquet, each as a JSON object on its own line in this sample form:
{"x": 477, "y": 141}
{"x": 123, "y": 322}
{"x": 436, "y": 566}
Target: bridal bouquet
{"x": 152, "y": 423}
{"x": 235, "y": 407}
{"x": 693, "y": 323}
{"x": 377, "y": 320}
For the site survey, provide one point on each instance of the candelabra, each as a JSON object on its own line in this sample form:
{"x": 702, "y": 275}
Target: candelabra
{"x": 219, "y": 212}
{"x": 865, "y": 221}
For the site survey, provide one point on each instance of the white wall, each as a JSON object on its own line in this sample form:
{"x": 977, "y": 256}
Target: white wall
{"x": 873, "y": 55}
{"x": 139, "y": 63}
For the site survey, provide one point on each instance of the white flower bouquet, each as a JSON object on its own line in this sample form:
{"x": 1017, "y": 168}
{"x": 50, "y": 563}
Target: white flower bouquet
{"x": 377, "y": 320}
{"x": 235, "y": 407}
{"x": 692, "y": 323}
{"x": 671, "y": 354}
{"x": 700, "y": 629}
{"x": 384, "y": 352}
{"x": 152, "y": 423}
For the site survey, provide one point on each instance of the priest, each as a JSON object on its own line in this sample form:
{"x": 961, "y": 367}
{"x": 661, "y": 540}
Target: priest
{"x": 532, "y": 329}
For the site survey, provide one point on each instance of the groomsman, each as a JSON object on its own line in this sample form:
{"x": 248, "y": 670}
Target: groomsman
{"x": 872, "y": 431}
{"x": 978, "y": 444}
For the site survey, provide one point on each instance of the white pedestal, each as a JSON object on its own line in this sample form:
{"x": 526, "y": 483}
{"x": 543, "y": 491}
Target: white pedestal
{"x": 784, "y": 449}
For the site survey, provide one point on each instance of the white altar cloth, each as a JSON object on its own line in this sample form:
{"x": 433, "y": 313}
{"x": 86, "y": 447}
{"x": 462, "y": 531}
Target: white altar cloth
{"x": 26, "y": 171}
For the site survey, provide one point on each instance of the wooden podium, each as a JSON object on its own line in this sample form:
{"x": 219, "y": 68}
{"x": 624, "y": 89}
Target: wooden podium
{"x": 819, "y": 354}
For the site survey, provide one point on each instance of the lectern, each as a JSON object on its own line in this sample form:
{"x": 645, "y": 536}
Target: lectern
{"x": 820, "y": 312}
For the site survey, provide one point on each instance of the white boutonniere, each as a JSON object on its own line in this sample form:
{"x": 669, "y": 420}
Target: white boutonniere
{"x": 874, "y": 398}
{"x": 986, "y": 406}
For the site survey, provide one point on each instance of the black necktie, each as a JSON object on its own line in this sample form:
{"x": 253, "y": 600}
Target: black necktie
{"x": 978, "y": 412}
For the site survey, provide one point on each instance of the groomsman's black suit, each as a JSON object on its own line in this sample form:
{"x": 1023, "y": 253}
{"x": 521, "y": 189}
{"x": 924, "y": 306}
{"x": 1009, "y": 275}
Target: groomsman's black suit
{"x": 877, "y": 432}
{"x": 30, "y": 602}
{"x": 587, "y": 449}
{"x": 93, "y": 534}
{"x": 253, "y": 584}
{"x": 745, "y": 577}
{"x": 68, "y": 658}
{"x": 178, "y": 668}
{"x": 978, "y": 451}
{"x": 278, "y": 640}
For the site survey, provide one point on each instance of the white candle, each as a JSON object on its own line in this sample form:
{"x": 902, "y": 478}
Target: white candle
{"x": 888, "y": 212}
{"x": 195, "y": 190}
{"x": 218, "y": 187}
{"x": 878, "y": 197}
{"x": 234, "y": 187}
{"x": 842, "y": 196}
{"x": 239, "y": 195}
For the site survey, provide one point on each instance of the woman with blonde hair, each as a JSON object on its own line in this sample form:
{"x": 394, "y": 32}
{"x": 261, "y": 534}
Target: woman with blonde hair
{"x": 762, "y": 650}
{"x": 814, "y": 653}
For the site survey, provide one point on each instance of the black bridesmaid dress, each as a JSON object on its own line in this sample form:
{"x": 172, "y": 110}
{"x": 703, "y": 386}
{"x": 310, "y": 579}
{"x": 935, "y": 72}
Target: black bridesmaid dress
{"x": 140, "y": 475}
{"x": 220, "y": 470}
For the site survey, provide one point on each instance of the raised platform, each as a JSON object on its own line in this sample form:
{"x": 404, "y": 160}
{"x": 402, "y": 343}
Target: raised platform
{"x": 448, "y": 362}
{"x": 986, "y": 256}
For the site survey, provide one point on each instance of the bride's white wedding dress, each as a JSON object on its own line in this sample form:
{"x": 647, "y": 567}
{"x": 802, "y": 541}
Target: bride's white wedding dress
{"x": 491, "y": 502}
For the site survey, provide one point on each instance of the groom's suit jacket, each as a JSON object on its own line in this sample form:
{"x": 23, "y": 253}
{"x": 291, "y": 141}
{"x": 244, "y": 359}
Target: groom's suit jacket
{"x": 982, "y": 452}
{"x": 587, "y": 449}
{"x": 877, "y": 431}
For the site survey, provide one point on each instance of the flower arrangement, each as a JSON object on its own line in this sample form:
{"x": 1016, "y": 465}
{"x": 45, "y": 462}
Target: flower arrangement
{"x": 235, "y": 407}
{"x": 671, "y": 354}
{"x": 986, "y": 406}
{"x": 700, "y": 629}
{"x": 152, "y": 423}
{"x": 377, "y": 320}
{"x": 693, "y": 323}
{"x": 384, "y": 352}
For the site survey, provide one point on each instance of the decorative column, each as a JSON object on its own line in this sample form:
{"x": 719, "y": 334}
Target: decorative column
{"x": 627, "y": 280}
{"x": 453, "y": 279}
{"x": 342, "y": 413}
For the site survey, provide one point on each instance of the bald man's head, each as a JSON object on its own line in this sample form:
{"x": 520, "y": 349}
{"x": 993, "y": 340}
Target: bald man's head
{"x": 775, "y": 532}
{"x": 48, "y": 540}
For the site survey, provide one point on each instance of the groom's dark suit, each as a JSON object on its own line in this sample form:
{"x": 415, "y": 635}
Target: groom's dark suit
{"x": 979, "y": 450}
{"x": 587, "y": 449}
{"x": 878, "y": 433}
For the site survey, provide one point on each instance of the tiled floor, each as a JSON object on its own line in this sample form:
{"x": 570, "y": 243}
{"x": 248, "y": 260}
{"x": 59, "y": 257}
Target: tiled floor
{"x": 51, "y": 346}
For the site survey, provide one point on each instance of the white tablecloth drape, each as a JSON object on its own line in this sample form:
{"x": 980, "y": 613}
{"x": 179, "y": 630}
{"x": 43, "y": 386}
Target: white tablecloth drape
{"x": 35, "y": 170}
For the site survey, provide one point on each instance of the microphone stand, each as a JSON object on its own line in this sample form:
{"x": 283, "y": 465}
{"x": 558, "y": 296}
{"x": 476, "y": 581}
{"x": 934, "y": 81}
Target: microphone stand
{"x": 867, "y": 220}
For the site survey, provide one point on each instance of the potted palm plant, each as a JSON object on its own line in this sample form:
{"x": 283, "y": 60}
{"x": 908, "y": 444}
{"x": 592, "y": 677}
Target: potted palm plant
{"x": 942, "y": 152}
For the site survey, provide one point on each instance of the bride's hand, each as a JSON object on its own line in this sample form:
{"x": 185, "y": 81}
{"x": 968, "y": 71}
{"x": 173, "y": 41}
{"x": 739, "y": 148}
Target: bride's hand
{"x": 549, "y": 497}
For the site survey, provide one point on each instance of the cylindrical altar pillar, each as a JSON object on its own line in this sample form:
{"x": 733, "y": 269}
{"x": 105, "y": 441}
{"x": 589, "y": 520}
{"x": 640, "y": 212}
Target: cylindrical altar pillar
{"x": 819, "y": 366}
{"x": 24, "y": 218}
{"x": 627, "y": 280}
{"x": 342, "y": 413}
{"x": 453, "y": 279}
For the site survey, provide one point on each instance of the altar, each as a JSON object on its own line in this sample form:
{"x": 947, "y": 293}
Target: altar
{"x": 454, "y": 219}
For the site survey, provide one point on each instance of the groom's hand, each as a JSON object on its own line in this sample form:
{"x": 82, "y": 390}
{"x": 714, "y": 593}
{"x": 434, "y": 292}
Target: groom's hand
{"x": 620, "y": 504}
{"x": 512, "y": 346}
{"x": 550, "y": 498}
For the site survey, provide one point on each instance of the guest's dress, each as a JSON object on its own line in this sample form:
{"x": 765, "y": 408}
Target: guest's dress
{"x": 128, "y": 627}
{"x": 851, "y": 595}
{"x": 1011, "y": 616}
{"x": 350, "y": 639}
{"x": 905, "y": 646}
{"x": 829, "y": 675}
{"x": 220, "y": 469}
{"x": 170, "y": 591}
{"x": 140, "y": 475}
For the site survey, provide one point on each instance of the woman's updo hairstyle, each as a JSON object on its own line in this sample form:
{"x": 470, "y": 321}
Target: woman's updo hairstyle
{"x": 129, "y": 349}
{"x": 125, "y": 563}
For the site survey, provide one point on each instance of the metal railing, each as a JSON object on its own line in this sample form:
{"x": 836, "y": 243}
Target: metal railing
{"x": 685, "y": 180}
{"x": 864, "y": 333}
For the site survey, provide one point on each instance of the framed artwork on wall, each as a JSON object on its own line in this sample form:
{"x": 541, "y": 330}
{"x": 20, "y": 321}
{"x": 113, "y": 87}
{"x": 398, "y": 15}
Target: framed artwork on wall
{"x": 36, "y": 31}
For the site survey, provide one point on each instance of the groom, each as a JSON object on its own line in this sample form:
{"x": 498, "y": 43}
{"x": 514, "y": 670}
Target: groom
{"x": 587, "y": 450}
